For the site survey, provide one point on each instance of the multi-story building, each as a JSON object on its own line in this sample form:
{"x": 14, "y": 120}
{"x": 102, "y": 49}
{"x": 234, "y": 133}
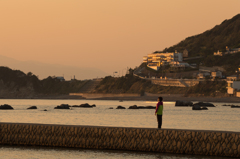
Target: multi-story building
{"x": 156, "y": 60}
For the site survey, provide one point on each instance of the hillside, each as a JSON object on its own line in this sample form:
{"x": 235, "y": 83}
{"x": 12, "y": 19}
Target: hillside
{"x": 217, "y": 38}
{"x": 17, "y": 84}
{"x": 132, "y": 84}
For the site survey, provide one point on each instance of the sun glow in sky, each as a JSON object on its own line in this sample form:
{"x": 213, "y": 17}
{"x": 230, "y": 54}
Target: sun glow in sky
{"x": 104, "y": 34}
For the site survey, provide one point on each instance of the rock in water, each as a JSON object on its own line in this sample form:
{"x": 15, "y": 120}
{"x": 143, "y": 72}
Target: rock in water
{"x": 32, "y": 107}
{"x": 235, "y": 106}
{"x": 146, "y": 107}
{"x": 183, "y": 103}
{"x": 204, "y": 104}
{"x": 204, "y": 108}
{"x": 62, "y": 106}
{"x": 150, "y": 107}
{"x": 120, "y": 107}
{"x": 75, "y": 105}
{"x": 196, "y": 107}
{"x": 6, "y": 106}
{"x": 141, "y": 107}
{"x": 133, "y": 107}
{"x": 86, "y": 105}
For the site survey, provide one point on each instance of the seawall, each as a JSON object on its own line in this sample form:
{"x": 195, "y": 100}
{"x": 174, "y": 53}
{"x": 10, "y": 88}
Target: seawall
{"x": 199, "y": 142}
{"x": 176, "y": 82}
{"x": 104, "y": 95}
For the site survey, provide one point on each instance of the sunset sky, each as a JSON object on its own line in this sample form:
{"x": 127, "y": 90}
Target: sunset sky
{"x": 106, "y": 34}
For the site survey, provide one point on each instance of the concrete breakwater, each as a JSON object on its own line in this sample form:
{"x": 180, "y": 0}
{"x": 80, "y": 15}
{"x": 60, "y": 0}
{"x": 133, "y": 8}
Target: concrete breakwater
{"x": 176, "y": 82}
{"x": 199, "y": 142}
{"x": 103, "y": 95}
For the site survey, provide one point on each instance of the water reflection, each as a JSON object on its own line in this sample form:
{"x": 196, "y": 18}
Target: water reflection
{"x": 12, "y": 152}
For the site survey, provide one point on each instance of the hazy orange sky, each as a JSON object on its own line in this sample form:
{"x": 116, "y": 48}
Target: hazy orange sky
{"x": 106, "y": 34}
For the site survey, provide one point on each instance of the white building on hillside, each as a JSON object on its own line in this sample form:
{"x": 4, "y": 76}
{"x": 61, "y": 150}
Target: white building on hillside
{"x": 233, "y": 86}
{"x": 156, "y": 60}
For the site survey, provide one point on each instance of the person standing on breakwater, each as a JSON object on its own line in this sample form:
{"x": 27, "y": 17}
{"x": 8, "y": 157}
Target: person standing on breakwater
{"x": 159, "y": 111}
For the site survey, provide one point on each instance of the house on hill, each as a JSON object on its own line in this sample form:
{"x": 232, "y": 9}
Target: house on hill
{"x": 213, "y": 72}
{"x": 228, "y": 51}
{"x": 216, "y": 74}
{"x": 218, "y": 53}
{"x": 60, "y": 78}
{"x": 158, "y": 59}
{"x": 185, "y": 53}
{"x": 233, "y": 87}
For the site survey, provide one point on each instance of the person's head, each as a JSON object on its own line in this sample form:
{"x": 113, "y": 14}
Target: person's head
{"x": 160, "y": 99}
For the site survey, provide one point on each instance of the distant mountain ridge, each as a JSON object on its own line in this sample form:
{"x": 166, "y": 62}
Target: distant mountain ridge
{"x": 217, "y": 38}
{"x": 43, "y": 70}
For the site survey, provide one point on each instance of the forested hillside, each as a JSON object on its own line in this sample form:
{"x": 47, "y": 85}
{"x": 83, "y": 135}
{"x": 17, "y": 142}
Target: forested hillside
{"x": 217, "y": 38}
{"x": 17, "y": 84}
{"x": 132, "y": 84}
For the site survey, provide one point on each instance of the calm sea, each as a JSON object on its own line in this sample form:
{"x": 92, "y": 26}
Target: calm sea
{"x": 216, "y": 118}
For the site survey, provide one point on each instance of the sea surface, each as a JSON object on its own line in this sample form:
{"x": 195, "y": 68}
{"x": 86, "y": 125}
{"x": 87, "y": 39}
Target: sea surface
{"x": 221, "y": 118}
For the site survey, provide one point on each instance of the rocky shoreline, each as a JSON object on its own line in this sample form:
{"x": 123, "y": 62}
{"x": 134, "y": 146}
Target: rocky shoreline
{"x": 195, "y": 106}
{"x": 173, "y": 98}
{"x": 151, "y": 97}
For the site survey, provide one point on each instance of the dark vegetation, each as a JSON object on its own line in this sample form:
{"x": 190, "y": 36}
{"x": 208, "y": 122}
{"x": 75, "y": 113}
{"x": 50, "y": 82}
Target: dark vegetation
{"x": 15, "y": 80}
{"x": 165, "y": 71}
{"x": 132, "y": 84}
{"x": 53, "y": 85}
{"x": 217, "y": 38}
{"x": 11, "y": 77}
{"x": 205, "y": 44}
{"x": 208, "y": 88}
{"x": 230, "y": 62}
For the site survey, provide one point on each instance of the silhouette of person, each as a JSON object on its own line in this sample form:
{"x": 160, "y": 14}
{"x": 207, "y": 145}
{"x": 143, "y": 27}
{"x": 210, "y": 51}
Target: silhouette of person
{"x": 159, "y": 111}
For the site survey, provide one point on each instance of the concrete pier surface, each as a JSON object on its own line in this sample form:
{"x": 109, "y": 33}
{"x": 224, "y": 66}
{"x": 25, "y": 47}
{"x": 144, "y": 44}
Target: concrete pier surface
{"x": 199, "y": 142}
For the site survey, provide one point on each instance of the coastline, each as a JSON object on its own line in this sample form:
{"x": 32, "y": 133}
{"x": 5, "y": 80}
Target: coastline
{"x": 136, "y": 97}
{"x": 153, "y": 97}
{"x": 174, "y": 98}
